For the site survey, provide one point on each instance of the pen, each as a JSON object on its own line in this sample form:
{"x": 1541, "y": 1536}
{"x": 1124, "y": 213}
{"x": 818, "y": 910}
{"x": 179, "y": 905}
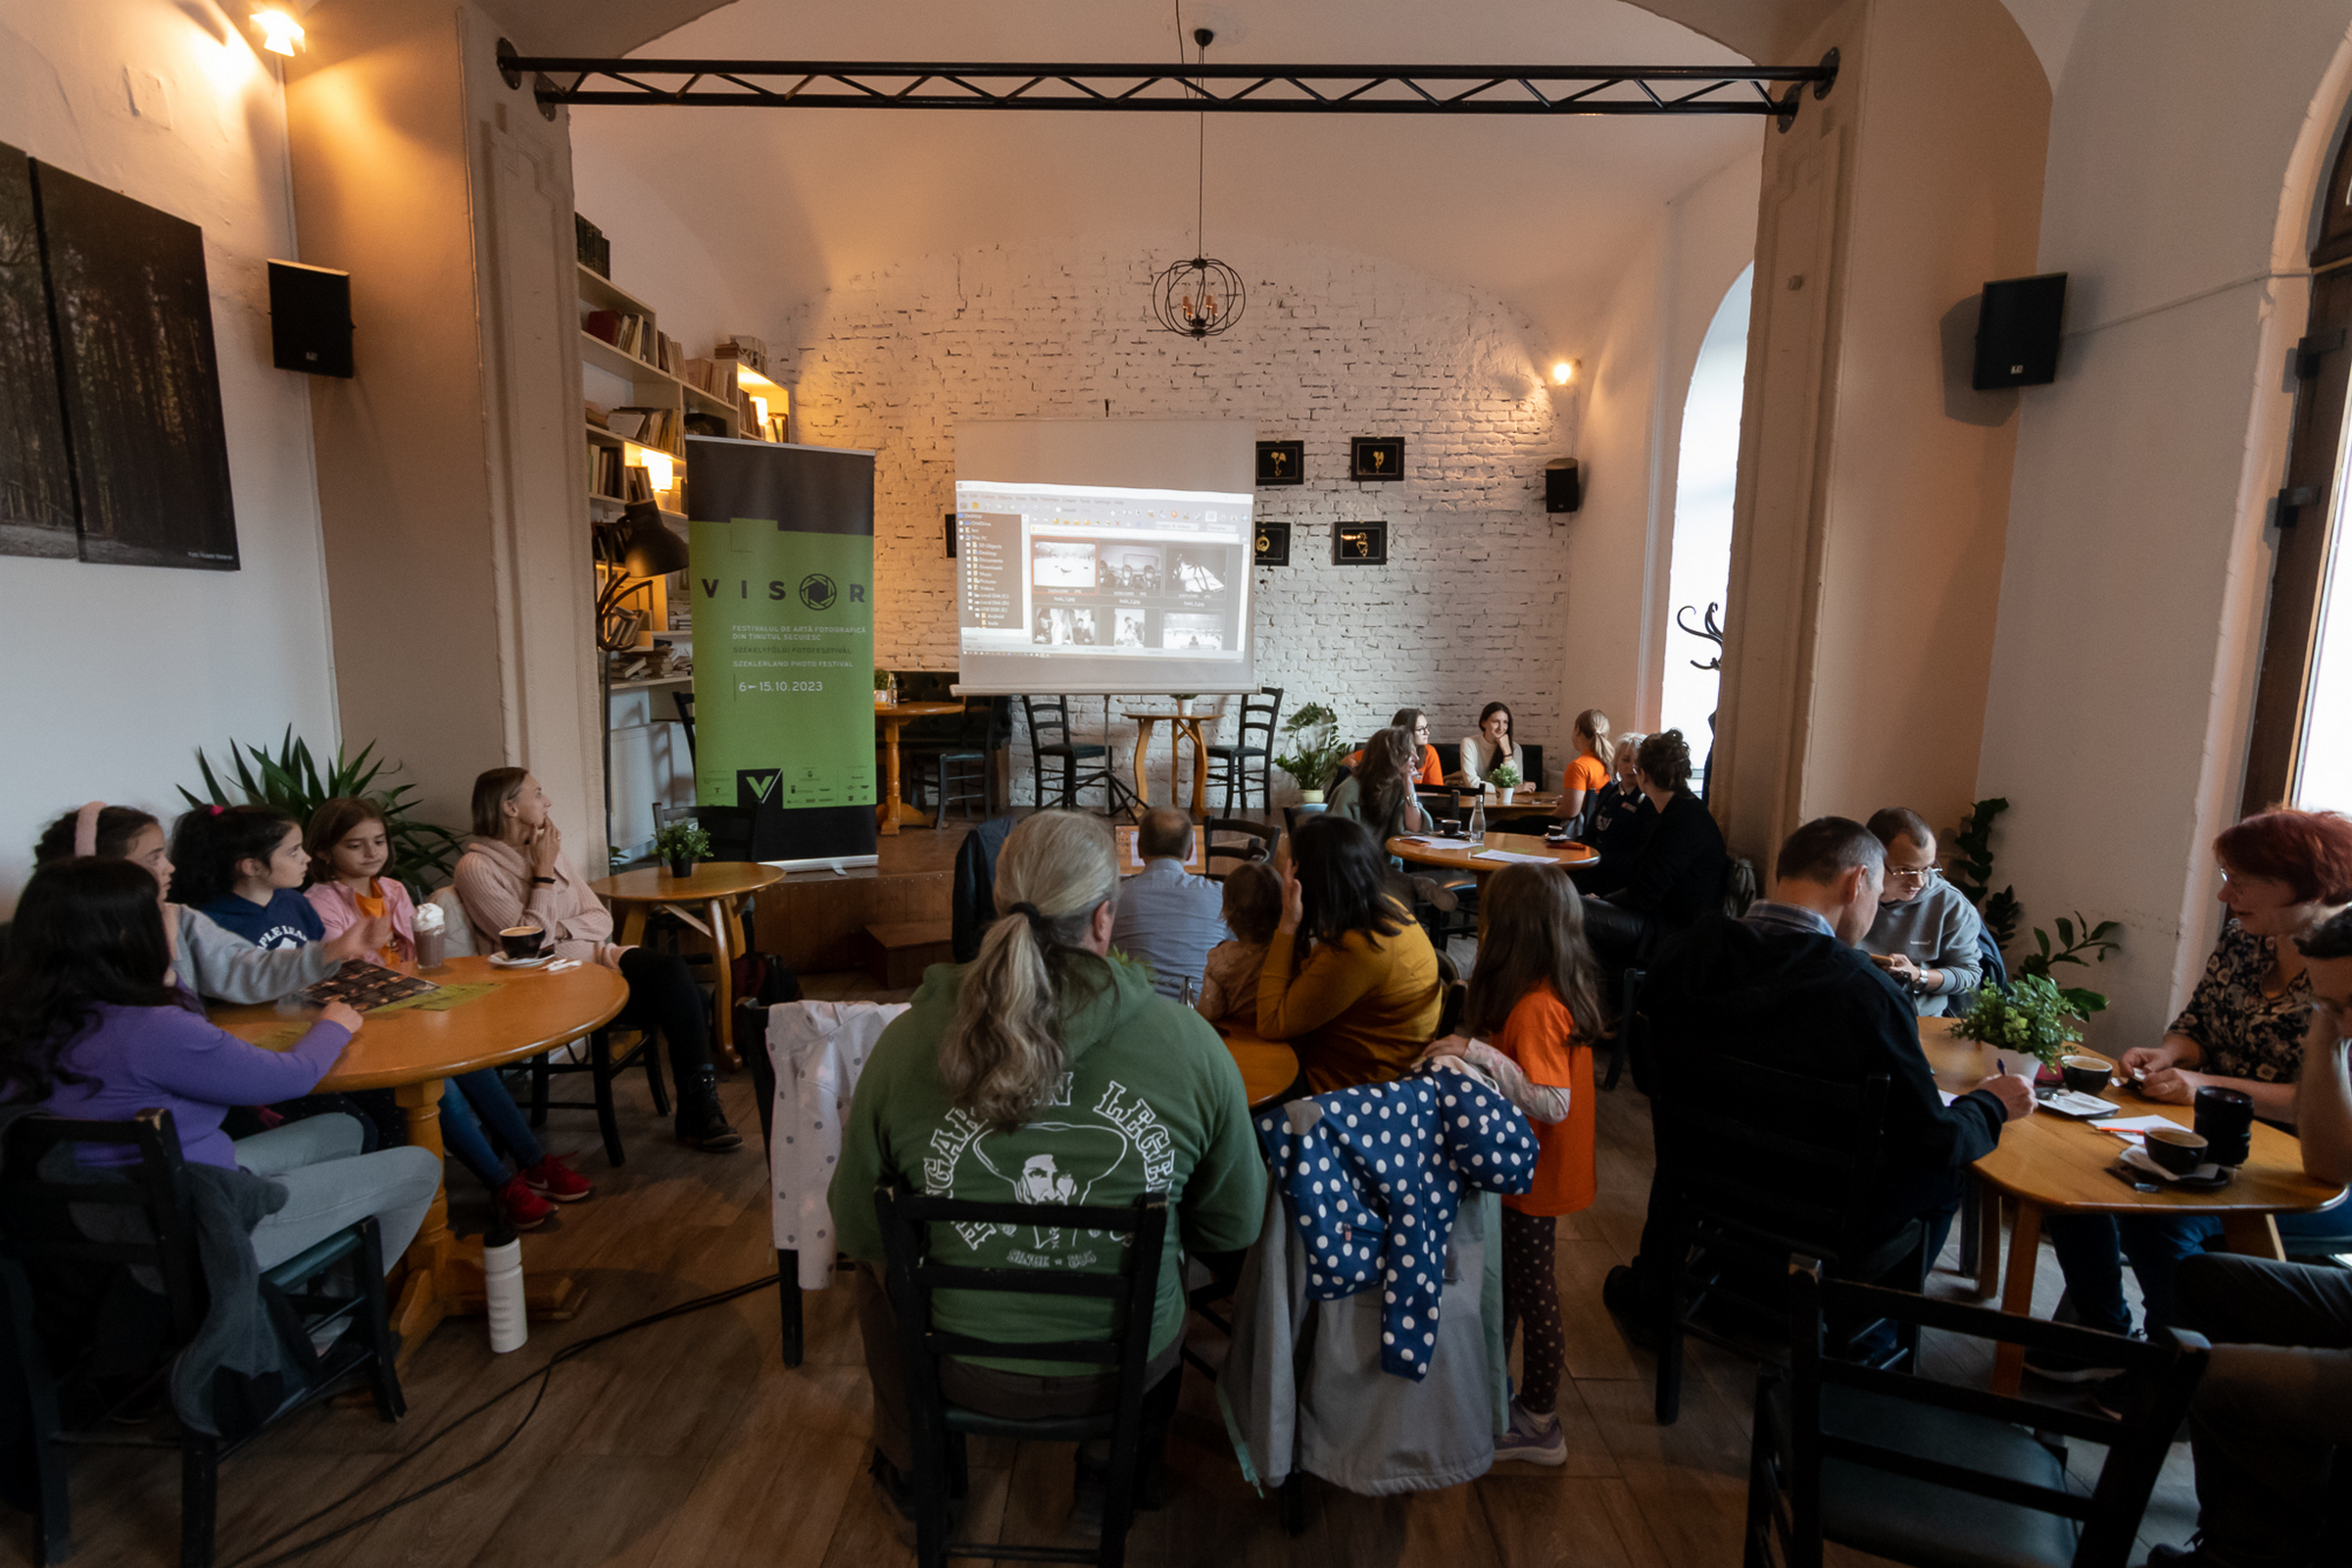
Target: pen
{"x": 2000, "y": 1066}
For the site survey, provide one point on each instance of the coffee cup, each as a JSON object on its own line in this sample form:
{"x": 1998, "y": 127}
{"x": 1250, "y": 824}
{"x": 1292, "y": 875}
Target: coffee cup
{"x": 2175, "y": 1148}
{"x": 520, "y": 942}
{"x": 2226, "y": 1118}
{"x": 2085, "y": 1075}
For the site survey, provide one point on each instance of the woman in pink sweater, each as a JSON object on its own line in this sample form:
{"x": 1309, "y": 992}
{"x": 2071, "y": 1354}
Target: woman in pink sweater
{"x": 513, "y": 874}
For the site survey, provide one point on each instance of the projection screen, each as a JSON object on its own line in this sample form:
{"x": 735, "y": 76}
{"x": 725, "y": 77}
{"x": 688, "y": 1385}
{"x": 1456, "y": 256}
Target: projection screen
{"x": 1104, "y": 556}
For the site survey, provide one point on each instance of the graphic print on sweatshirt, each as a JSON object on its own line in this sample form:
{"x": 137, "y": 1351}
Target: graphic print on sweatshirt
{"x": 1106, "y": 1150}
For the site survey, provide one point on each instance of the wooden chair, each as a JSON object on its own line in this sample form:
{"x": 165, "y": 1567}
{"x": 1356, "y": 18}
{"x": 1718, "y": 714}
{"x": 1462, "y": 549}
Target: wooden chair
{"x": 685, "y": 702}
{"x": 1907, "y": 1468}
{"x": 1137, "y": 1231}
{"x": 1262, "y": 837}
{"x": 92, "y": 1338}
{"x": 1049, "y": 716}
{"x": 956, "y": 764}
{"x": 1755, "y": 1163}
{"x": 1258, "y": 713}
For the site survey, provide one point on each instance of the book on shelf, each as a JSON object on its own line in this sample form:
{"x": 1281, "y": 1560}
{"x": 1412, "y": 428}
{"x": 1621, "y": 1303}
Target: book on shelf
{"x": 639, "y": 482}
{"x": 648, "y": 427}
{"x": 604, "y": 472}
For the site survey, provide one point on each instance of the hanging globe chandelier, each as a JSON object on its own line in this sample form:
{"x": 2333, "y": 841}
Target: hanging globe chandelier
{"x": 1202, "y": 297}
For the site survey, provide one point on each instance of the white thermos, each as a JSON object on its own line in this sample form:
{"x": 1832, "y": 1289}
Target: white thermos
{"x": 501, "y": 1284}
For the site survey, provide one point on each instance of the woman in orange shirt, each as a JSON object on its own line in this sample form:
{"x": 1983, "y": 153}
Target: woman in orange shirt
{"x": 1415, "y": 723}
{"x": 1590, "y": 772}
{"x": 1535, "y": 995}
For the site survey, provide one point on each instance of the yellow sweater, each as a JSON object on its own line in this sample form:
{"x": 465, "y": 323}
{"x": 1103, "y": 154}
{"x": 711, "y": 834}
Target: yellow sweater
{"x": 1359, "y": 1010}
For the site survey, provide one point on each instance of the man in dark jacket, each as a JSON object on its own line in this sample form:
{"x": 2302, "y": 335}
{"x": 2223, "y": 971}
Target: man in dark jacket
{"x": 1785, "y": 988}
{"x": 1675, "y": 877}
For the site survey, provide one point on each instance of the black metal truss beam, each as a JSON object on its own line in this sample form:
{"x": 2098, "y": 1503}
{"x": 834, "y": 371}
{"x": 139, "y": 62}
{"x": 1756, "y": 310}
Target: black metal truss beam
{"x": 1221, "y": 88}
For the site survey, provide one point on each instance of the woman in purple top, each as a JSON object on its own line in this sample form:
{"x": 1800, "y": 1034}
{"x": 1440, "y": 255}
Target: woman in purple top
{"x": 92, "y": 1026}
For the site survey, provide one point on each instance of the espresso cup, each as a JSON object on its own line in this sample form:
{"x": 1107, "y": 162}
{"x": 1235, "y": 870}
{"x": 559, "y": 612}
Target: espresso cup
{"x": 2226, "y": 1118}
{"x": 521, "y": 942}
{"x": 2086, "y": 1075}
{"x": 2175, "y": 1148}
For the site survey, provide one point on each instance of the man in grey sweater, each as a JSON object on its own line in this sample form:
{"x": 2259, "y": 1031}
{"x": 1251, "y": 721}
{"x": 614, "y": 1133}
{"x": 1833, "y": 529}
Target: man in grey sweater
{"x": 1926, "y": 931}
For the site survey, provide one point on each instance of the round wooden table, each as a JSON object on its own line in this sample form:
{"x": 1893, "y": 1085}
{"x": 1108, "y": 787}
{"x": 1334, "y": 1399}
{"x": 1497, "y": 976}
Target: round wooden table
{"x": 2051, "y": 1163}
{"x": 893, "y": 719}
{"x": 1464, "y": 855}
{"x": 1268, "y": 1066}
{"x": 409, "y": 1052}
{"x": 1181, "y": 727}
{"x": 717, "y": 888}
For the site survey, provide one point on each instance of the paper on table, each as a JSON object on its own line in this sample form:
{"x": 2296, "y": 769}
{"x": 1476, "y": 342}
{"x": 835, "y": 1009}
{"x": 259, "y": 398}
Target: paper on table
{"x": 2133, "y": 1129}
{"x": 1513, "y": 858}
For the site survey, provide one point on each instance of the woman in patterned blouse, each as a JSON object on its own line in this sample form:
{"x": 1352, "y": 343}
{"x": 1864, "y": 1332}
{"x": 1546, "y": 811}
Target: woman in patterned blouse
{"x": 2283, "y": 873}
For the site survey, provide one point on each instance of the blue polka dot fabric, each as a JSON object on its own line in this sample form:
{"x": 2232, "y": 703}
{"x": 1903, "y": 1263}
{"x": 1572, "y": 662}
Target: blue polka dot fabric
{"x": 1373, "y": 1178}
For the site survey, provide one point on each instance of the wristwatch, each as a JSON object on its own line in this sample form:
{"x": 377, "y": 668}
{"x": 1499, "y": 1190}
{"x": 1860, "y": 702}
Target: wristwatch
{"x": 543, "y": 881}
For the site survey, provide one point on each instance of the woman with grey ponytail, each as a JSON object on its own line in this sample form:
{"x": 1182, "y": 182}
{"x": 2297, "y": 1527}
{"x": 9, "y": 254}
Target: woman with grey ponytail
{"x": 1057, "y": 885}
{"x": 1046, "y": 1071}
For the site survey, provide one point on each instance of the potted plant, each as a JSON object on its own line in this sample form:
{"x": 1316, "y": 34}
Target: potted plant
{"x": 882, "y": 679}
{"x": 681, "y": 844}
{"x": 1183, "y": 703}
{"x": 1316, "y": 750}
{"x": 2030, "y": 1015}
{"x": 1505, "y": 778}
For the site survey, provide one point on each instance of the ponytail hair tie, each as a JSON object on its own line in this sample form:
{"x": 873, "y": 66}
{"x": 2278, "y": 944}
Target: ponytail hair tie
{"x": 85, "y": 830}
{"x": 1029, "y": 913}
{"x": 215, "y": 810}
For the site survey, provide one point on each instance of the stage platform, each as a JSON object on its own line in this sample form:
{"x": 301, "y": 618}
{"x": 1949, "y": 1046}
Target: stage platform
{"x": 817, "y": 920}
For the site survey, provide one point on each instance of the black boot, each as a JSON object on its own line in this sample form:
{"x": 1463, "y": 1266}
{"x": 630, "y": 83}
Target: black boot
{"x": 700, "y": 1120}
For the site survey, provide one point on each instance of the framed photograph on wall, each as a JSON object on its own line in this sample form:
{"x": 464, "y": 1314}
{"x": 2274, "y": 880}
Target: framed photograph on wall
{"x": 1273, "y": 543}
{"x": 1360, "y": 544}
{"x": 1376, "y": 457}
{"x": 1281, "y": 462}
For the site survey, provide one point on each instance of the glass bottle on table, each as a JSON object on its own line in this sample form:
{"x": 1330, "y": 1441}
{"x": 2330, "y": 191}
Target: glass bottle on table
{"x": 1478, "y": 816}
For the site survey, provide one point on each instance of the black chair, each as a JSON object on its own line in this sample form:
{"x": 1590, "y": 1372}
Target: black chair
{"x": 956, "y": 767}
{"x": 1294, "y": 816}
{"x": 1936, "y": 1474}
{"x": 1258, "y": 712}
{"x": 92, "y": 1340}
{"x": 1531, "y": 766}
{"x": 1755, "y": 1163}
{"x": 602, "y": 1068}
{"x": 1259, "y": 846}
{"x": 1049, "y": 716}
{"x": 685, "y": 702}
{"x": 938, "y": 1428}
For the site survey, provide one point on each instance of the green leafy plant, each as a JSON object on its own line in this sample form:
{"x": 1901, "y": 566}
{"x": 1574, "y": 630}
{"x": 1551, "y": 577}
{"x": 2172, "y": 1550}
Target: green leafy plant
{"x": 422, "y": 853}
{"x": 1317, "y": 749}
{"x": 681, "y": 840}
{"x": 2081, "y": 942}
{"x": 2030, "y": 1015}
{"x": 1503, "y": 777}
{"x": 881, "y": 680}
{"x": 1971, "y": 870}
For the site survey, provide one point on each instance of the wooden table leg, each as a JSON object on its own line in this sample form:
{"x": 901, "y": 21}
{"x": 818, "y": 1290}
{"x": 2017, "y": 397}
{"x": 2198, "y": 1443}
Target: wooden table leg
{"x": 2253, "y": 1236}
{"x": 1199, "y": 770}
{"x": 1143, "y": 754}
{"x": 424, "y": 1299}
{"x": 722, "y": 963}
{"x": 1989, "y": 1240}
{"x": 2016, "y": 1299}
{"x": 633, "y": 925}
{"x": 889, "y": 777}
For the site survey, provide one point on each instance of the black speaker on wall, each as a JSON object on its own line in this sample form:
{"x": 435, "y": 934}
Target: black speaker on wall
{"x": 310, "y": 319}
{"x": 2017, "y": 332}
{"x": 1564, "y": 485}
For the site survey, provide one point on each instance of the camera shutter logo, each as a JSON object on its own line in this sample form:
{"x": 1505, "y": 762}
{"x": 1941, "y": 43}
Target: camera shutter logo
{"x": 818, "y": 591}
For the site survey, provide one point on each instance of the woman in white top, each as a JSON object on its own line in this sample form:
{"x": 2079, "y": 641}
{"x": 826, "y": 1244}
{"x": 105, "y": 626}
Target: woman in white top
{"x": 1494, "y": 744}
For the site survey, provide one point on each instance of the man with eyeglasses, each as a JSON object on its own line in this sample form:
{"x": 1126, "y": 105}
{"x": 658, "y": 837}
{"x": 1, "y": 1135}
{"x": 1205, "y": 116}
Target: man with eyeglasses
{"x": 1927, "y": 934}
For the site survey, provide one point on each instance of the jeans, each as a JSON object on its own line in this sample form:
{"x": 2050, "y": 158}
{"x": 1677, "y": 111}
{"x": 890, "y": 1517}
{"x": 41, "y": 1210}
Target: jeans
{"x": 473, "y": 1101}
{"x": 2092, "y": 1249}
{"x": 329, "y": 1185}
{"x": 2273, "y": 1415}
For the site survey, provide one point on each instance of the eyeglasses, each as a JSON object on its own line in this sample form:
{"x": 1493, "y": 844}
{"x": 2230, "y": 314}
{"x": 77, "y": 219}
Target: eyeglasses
{"x": 1911, "y": 878}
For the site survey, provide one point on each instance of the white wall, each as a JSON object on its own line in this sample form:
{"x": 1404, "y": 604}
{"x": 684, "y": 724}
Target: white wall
{"x": 118, "y": 673}
{"x": 1333, "y": 345}
{"x": 1617, "y": 628}
{"x": 2139, "y": 560}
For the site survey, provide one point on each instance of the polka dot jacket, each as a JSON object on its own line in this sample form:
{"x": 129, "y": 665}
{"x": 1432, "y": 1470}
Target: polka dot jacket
{"x": 1373, "y": 1178}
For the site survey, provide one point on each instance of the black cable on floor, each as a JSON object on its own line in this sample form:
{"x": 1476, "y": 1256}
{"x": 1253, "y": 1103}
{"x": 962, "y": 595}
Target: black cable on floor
{"x": 541, "y": 1377}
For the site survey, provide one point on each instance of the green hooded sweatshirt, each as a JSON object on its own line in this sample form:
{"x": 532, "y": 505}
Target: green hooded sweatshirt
{"x": 1151, "y": 1102}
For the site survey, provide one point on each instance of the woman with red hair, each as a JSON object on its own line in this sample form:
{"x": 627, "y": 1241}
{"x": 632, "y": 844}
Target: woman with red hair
{"x": 2284, "y": 873}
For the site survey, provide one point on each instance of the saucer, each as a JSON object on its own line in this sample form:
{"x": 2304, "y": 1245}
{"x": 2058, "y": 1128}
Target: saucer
{"x": 498, "y": 961}
{"x": 2207, "y": 1175}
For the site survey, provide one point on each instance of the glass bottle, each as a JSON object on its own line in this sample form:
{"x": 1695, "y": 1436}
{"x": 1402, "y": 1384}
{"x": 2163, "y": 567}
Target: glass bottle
{"x": 1478, "y": 816}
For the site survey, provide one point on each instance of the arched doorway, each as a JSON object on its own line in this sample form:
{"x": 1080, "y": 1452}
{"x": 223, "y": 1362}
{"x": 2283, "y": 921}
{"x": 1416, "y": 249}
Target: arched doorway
{"x": 1707, "y": 473}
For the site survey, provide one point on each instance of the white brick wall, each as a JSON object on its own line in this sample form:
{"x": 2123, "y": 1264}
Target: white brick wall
{"x": 1333, "y": 344}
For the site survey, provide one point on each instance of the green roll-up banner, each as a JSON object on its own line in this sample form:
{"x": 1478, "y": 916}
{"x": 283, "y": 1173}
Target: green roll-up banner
{"x": 782, "y": 577}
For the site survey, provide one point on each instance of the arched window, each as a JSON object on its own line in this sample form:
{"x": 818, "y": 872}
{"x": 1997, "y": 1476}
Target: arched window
{"x": 1699, "y": 569}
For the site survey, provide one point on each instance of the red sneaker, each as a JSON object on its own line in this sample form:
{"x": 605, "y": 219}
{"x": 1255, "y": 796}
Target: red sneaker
{"x": 558, "y": 1182}
{"x": 525, "y": 1209}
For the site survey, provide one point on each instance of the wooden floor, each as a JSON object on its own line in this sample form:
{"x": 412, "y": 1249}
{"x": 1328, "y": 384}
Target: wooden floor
{"x": 688, "y": 1443}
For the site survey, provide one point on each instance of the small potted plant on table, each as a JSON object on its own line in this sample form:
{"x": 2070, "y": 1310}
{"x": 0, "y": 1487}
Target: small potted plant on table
{"x": 1505, "y": 778}
{"x": 681, "y": 844}
{"x": 1314, "y": 736}
{"x": 883, "y": 694}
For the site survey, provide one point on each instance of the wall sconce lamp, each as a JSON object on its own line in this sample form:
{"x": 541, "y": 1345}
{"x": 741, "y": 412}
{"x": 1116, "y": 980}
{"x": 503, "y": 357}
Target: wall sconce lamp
{"x": 280, "y": 33}
{"x": 1563, "y": 371}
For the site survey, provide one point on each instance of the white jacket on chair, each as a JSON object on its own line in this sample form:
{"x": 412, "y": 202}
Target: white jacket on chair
{"x": 817, "y": 1049}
